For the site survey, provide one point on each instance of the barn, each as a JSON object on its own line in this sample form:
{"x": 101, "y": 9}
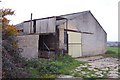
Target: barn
{"x": 77, "y": 34}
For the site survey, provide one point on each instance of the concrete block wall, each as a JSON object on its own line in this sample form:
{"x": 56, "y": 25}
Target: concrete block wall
{"x": 95, "y": 43}
{"x": 29, "y": 44}
{"x": 92, "y": 44}
{"x": 61, "y": 36}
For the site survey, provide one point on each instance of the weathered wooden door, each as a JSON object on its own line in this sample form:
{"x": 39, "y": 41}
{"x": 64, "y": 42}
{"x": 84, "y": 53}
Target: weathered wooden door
{"x": 74, "y": 44}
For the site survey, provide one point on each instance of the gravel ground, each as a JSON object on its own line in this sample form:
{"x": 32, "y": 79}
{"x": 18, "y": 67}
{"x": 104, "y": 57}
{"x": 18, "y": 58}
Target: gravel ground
{"x": 103, "y": 64}
{"x": 102, "y": 67}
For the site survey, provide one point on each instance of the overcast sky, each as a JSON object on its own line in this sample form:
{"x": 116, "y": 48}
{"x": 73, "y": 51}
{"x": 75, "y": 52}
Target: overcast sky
{"x": 105, "y": 11}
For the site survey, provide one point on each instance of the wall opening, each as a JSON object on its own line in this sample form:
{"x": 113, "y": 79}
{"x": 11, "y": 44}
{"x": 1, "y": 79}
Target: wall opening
{"x": 46, "y": 41}
{"x": 46, "y": 45}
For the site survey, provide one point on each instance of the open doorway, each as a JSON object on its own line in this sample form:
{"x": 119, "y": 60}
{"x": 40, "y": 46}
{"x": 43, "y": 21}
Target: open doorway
{"x": 46, "y": 44}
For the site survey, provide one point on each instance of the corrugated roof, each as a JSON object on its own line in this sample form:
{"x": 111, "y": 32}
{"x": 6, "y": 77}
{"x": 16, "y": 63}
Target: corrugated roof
{"x": 61, "y": 16}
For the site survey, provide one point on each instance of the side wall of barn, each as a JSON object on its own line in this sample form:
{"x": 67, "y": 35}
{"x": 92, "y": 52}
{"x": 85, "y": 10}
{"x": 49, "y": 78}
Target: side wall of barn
{"x": 93, "y": 44}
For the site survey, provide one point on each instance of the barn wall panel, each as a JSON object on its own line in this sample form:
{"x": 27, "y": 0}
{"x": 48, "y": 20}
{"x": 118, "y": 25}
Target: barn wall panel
{"x": 29, "y": 44}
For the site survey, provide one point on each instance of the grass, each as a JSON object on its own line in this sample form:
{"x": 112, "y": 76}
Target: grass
{"x": 43, "y": 68}
{"x": 112, "y": 52}
{"x": 114, "y": 49}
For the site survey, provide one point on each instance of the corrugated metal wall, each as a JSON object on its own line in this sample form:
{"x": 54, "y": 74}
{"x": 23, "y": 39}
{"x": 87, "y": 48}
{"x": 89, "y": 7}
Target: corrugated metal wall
{"x": 42, "y": 26}
{"x": 45, "y": 25}
{"x": 26, "y": 27}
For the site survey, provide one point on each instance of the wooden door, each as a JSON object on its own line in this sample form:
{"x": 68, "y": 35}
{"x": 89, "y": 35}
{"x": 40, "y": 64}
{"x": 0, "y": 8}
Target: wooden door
{"x": 74, "y": 44}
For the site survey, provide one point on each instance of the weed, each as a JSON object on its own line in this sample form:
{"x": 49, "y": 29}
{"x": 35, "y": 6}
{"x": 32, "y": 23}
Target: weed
{"x": 43, "y": 67}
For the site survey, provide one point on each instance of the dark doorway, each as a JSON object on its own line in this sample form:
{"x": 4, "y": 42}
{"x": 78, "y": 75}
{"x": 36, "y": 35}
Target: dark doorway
{"x": 46, "y": 44}
{"x": 46, "y": 41}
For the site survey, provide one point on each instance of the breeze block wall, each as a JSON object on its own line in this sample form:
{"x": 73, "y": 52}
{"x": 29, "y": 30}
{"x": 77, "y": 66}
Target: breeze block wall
{"x": 94, "y": 43}
{"x": 29, "y": 44}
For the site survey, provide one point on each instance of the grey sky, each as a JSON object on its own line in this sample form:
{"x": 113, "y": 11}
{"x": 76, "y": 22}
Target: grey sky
{"x": 105, "y": 11}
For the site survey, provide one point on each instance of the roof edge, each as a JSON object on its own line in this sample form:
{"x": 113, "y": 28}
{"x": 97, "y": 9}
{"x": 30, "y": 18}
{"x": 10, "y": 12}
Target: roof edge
{"x": 58, "y": 16}
{"x": 97, "y": 21}
{"x": 75, "y": 13}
